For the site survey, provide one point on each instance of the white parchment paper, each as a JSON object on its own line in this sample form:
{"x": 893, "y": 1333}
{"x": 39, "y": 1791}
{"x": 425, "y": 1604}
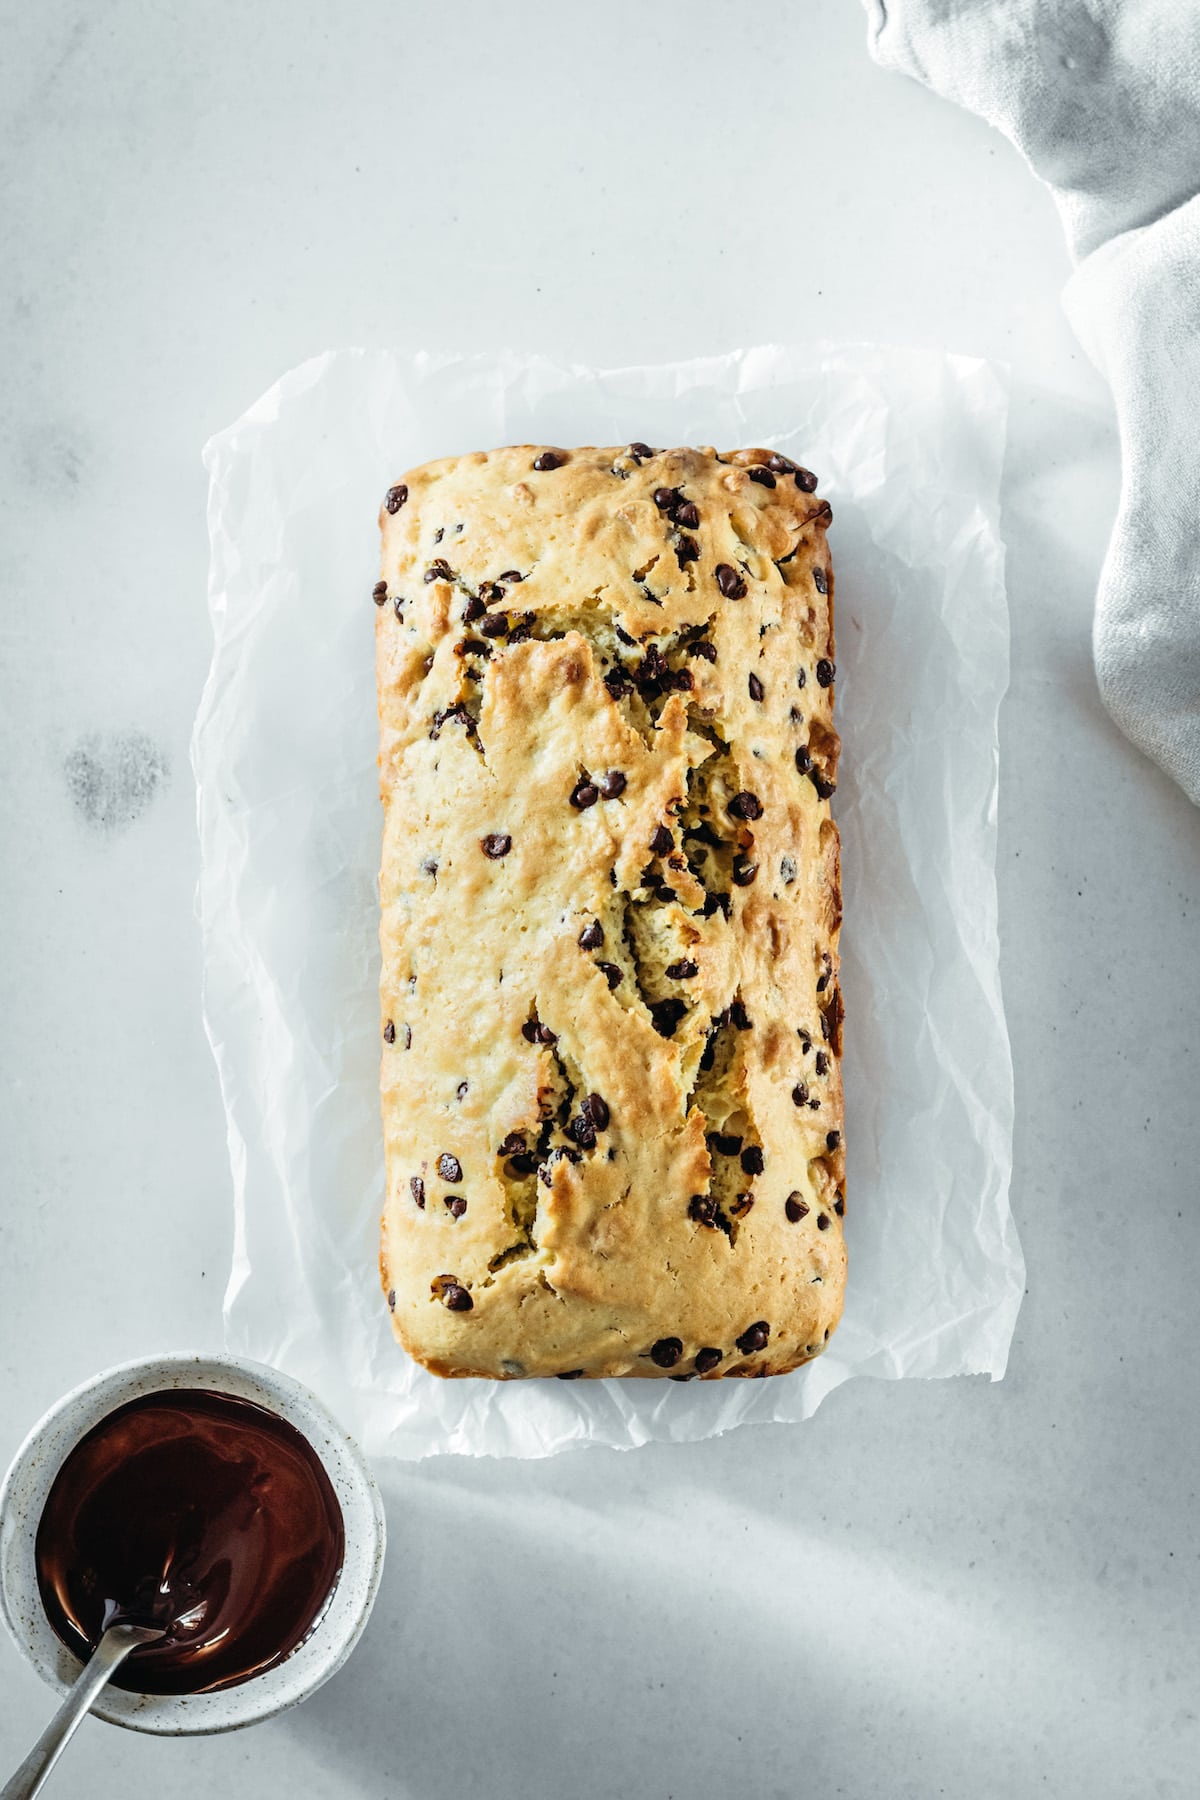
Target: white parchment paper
{"x": 908, "y": 446}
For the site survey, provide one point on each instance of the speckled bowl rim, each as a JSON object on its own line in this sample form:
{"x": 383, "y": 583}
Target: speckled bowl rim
{"x": 340, "y": 1626}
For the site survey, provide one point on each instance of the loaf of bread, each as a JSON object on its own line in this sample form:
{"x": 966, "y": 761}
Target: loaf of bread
{"x": 610, "y": 897}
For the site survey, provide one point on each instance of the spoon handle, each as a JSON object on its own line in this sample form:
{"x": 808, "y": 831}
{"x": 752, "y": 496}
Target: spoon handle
{"x": 108, "y": 1656}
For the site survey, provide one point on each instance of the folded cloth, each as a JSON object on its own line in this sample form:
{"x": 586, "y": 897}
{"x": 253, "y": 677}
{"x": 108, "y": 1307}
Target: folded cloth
{"x": 1102, "y": 98}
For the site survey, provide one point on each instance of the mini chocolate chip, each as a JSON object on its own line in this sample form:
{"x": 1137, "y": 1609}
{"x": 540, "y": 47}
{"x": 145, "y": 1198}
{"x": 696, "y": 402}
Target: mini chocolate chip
{"x": 665, "y": 498}
{"x": 825, "y": 788}
{"x": 741, "y": 1206}
{"x": 822, "y": 1221}
{"x": 667, "y": 1352}
{"x": 596, "y": 1109}
{"x": 689, "y": 1375}
{"x": 511, "y": 575}
{"x": 752, "y": 1160}
{"x": 806, "y": 481}
{"x": 683, "y": 970}
{"x": 391, "y": 1299}
{"x": 754, "y": 1337}
{"x": 569, "y": 1375}
{"x": 592, "y": 936}
{"x": 782, "y": 465}
{"x": 439, "y": 570}
{"x": 683, "y": 680}
{"x": 825, "y": 672}
{"x": 787, "y": 870}
{"x": 822, "y": 982}
{"x": 623, "y": 635}
{"x": 427, "y": 664}
{"x": 707, "y": 1359}
{"x": 521, "y": 1164}
{"x": 461, "y": 1090}
{"x": 379, "y": 593}
{"x": 832, "y": 1139}
{"x": 814, "y": 1106}
{"x": 800, "y": 1094}
{"x": 408, "y": 1037}
{"x": 821, "y": 1062}
{"x": 611, "y": 785}
{"x": 641, "y": 450}
{"x": 687, "y": 550}
{"x": 839, "y": 1205}
{"x": 727, "y": 1142}
{"x": 496, "y": 845}
{"x": 581, "y": 1131}
{"x": 743, "y": 872}
{"x": 665, "y": 894}
{"x": 756, "y": 688}
{"x": 494, "y": 626}
{"x": 763, "y": 476}
{"x": 456, "y": 1206}
{"x": 513, "y": 1145}
{"x": 731, "y": 584}
{"x": 705, "y": 649}
{"x": 456, "y": 1297}
{"x": 801, "y": 677}
{"x": 398, "y": 606}
{"x": 611, "y": 973}
{"x": 617, "y": 683}
{"x": 666, "y": 1015}
{"x": 449, "y": 1167}
{"x": 795, "y": 1208}
{"x": 389, "y": 1033}
{"x": 395, "y": 497}
{"x": 739, "y": 1015}
{"x": 688, "y": 514}
{"x": 661, "y": 840}
{"x": 474, "y": 609}
{"x": 585, "y": 793}
{"x": 546, "y": 1036}
{"x": 715, "y": 903}
{"x": 703, "y": 1208}
{"x": 819, "y": 581}
{"x": 418, "y": 1191}
{"x": 745, "y": 806}
{"x": 549, "y": 459}
{"x": 804, "y": 761}
{"x": 428, "y": 866}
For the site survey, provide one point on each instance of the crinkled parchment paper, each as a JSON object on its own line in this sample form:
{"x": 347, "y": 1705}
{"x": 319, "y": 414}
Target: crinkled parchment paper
{"x": 908, "y": 446}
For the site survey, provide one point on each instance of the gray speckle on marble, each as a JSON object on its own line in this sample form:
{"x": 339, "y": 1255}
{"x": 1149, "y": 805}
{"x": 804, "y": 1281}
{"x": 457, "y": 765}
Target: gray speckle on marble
{"x": 112, "y": 777}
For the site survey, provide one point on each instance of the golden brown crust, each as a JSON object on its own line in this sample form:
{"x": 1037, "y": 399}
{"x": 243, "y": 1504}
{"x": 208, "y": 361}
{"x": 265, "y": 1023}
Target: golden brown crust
{"x": 571, "y": 673}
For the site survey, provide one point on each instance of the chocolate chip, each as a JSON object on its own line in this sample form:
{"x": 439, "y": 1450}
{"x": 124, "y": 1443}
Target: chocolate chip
{"x": 683, "y": 970}
{"x": 391, "y": 1299}
{"x": 455, "y": 1297}
{"x": 795, "y": 1208}
{"x": 585, "y": 793}
{"x": 511, "y": 575}
{"x": 395, "y": 497}
{"x": 379, "y": 593}
{"x": 461, "y": 1090}
{"x": 727, "y": 1142}
{"x": 800, "y": 1094}
{"x": 825, "y": 672}
{"x": 473, "y": 647}
{"x": 787, "y": 870}
{"x": 715, "y": 903}
{"x": 703, "y": 1208}
{"x": 689, "y": 1375}
{"x": 688, "y": 514}
{"x": 456, "y": 1206}
{"x": 822, "y": 1221}
{"x": 474, "y": 609}
{"x": 496, "y": 845}
{"x": 801, "y": 677}
{"x": 642, "y": 450}
{"x": 754, "y": 1337}
{"x": 763, "y": 477}
{"x": 752, "y": 1160}
{"x": 821, "y": 1062}
{"x": 832, "y": 1139}
{"x": 611, "y": 785}
{"x": 739, "y": 1016}
{"x": 521, "y": 1164}
{"x": 418, "y": 1191}
{"x": 611, "y": 973}
{"x": 513, "y": 1145}
{"x": 687, "y": 550}
{"x": 667, "y": 1352}
{"x": 707, "y": 1359}
{"x": 814, "y": 1106}
{"x": 804, "y": 761}
{"x": 595, "y": 1107}
{"x": 581, "y": 1131}
{"x": 731, "y": 584}
{"x": 398, "y": 606}
{"x": 617, "y": 683}
{"x": 756, "y": 688}
{"x": 592, "y": 936}
{"x": 839, "y": 1205}
{"x": 744, "y": 872}
{"x": 439, "y": 570}
{"x": 549, "y": 459}
{"x": 745, "y": 806}
{"x": 569, "y": 1375}
{"x": 665, "y": 498}
{"x": 741, "y": 1206}
{"x": 408, "y": 1037}
{"x": 806, "y": 481}
{"x": 825, "y": 788}
{"x": 705, "y": 649}
{"x": 494, "y": 626}
{"x": 666, "y": 1015}
{"x": 661, "y": 840}
{"x": 819, "y": 581}
{"x": 546, "y": 1036}
{"x": 782, "y": 465}
{"x": 805, "y": 1039}
{"x": 683, "y": 680}
{"x": 428, "y": 866}
{"x": 449, "y": 1167}
{"x": 389, "y": 1033}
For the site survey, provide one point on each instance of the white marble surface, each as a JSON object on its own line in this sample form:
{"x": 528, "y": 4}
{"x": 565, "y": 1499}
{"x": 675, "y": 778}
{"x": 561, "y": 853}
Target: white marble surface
{"x": 959, "y": 1589}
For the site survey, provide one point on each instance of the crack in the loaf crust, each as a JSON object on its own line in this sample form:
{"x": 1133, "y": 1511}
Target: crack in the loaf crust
{"x": 635, "y": 962}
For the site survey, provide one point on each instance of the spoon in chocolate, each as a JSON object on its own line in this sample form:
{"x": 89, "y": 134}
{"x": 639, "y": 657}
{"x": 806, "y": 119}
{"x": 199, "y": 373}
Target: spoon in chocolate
{"x": 106, "y": 1659}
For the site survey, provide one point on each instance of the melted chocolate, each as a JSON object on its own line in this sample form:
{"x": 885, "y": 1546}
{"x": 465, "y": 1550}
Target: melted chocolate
{"x": 198, "y": 1512}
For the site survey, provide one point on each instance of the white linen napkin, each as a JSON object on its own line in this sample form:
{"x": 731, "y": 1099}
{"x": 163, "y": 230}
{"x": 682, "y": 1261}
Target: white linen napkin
{"x": 1102, "y": 98}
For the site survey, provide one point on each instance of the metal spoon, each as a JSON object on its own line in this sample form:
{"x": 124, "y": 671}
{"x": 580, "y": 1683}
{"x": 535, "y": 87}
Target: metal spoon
{"x": 105, "y": 1660}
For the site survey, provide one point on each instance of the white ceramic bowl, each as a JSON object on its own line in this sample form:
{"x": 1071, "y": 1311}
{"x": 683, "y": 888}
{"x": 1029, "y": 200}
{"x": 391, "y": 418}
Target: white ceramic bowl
{"x": 338, "y": 1629}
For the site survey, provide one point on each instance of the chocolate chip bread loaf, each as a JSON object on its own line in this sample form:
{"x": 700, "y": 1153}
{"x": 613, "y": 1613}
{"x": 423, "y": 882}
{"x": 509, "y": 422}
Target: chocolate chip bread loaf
{"x": 610, "y": 900}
